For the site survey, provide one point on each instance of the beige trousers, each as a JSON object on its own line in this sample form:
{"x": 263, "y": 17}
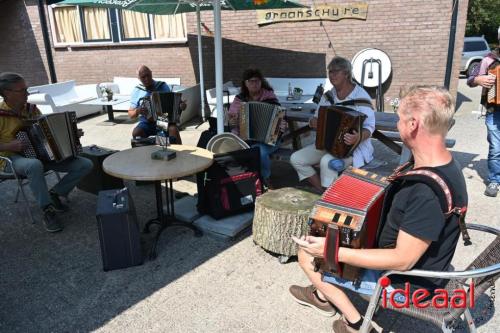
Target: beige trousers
{"x": 303, "y": 160}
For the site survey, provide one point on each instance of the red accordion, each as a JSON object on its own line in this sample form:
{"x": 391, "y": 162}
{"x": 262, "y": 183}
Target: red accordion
{"x": 348, "y": 214}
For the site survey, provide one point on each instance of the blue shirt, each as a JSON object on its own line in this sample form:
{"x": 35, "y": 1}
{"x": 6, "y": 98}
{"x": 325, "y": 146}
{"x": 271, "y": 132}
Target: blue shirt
{"x": 140, "y": 91}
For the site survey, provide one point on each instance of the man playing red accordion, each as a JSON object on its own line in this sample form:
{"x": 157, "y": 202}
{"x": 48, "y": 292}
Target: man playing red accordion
{"x": 415, "y": 234}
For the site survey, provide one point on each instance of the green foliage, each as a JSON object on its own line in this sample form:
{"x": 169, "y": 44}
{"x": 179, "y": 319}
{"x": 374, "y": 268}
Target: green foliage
{"x": 483, "y": 18}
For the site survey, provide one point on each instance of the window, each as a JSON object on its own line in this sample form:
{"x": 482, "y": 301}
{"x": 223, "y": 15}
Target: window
{"x": 78, "y": 25}
{"x": 473, "y": 46}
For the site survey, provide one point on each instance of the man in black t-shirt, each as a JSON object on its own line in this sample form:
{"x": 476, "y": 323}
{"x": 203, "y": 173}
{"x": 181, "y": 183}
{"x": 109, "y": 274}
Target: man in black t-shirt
{"x": 415, "y": 233}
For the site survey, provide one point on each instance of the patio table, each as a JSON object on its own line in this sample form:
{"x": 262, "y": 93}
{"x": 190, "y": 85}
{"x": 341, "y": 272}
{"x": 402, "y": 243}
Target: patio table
{"x": 109, "y": 108}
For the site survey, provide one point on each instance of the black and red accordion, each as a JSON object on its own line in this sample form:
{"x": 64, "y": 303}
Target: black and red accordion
{"x": 333, "y": 123}
{"x": 348, "y": 214}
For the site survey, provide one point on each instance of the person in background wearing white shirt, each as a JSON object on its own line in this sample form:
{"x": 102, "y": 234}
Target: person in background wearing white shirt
{"x": 344, "y": 89}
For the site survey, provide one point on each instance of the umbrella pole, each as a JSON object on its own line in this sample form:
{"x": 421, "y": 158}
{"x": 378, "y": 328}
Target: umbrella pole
{"x": 218, "y": 66}
{"x": 200, "y": 63}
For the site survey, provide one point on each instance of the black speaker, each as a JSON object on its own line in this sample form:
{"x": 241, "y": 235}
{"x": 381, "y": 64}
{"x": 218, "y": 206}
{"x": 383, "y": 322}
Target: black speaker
{"x": 118, "y": 230}
{"x": 98, "y": 180}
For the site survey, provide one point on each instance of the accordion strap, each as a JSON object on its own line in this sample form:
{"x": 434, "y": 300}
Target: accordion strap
{"x": 357, "y": 102}
{"x": 441, "y": 188}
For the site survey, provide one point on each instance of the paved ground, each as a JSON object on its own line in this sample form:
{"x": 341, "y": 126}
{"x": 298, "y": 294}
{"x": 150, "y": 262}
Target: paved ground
{"x": 54, "y": 282}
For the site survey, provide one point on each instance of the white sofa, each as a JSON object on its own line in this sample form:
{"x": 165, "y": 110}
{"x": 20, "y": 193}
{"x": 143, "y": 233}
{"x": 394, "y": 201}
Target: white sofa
{"x": 230, "y": 92}
{"x": 64, "y": 96}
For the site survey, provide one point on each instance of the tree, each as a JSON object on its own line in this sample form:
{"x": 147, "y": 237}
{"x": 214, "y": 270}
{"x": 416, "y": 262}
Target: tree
{"x": 483, "y": 18}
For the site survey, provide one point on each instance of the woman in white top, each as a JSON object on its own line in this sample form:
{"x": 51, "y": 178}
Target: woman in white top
{"x": 344, "y": 89}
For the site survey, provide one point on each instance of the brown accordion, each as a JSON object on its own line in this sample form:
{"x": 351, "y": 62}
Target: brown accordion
{"x": 261, "y": 122}
{"x": 493, "y": 94}
{"x": 348, "y": 214}
{"x": 333, "y": 123}
{"x": 51, "y": 138}
{"x": 163, "y": 105}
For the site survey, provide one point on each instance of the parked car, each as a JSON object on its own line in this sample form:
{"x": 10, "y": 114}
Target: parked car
{"x": 475, "y": 49}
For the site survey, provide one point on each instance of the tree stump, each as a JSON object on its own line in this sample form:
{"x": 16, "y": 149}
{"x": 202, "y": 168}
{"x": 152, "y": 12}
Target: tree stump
{"x": 279, "y": 215}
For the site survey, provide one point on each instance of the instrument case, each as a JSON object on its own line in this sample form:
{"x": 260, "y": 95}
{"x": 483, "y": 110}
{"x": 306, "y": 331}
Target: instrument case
{"x": 98, "y": 180}
{"x": 119, "y": 234}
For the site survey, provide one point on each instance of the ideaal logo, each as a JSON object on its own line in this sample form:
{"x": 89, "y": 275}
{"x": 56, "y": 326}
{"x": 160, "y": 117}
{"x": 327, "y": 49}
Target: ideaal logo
{"x": 419, "y": 298}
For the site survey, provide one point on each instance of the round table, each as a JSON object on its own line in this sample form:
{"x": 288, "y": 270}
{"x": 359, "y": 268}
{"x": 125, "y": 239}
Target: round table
{"x": 137, "y": 164}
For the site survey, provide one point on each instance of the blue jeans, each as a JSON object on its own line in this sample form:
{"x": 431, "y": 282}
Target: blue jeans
{"x": 367, "y": 285}
{"x": 34, "y": 170}
{"x": 493, "y": 126}
{"x": 265, "y": 161}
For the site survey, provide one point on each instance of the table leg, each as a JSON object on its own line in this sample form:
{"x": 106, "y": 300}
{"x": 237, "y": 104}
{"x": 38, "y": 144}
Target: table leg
{"x": 111, "y": 118}
{"x": 168, "y": 220}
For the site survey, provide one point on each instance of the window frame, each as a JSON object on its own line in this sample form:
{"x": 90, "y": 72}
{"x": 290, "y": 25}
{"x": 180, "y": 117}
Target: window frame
{"x": 116, "y": 30}
{"x": 83, "y": 28}
{"x": 122, "y": 33}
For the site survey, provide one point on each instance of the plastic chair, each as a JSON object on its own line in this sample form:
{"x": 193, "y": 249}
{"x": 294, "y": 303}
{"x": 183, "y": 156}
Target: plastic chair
{"x": 21, "y": 181}
{"x": 483, "y": 272}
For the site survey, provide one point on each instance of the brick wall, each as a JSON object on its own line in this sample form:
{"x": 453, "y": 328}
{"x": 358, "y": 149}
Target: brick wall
{"x": 414, "y": 34}
{"x": 21, "y": 41}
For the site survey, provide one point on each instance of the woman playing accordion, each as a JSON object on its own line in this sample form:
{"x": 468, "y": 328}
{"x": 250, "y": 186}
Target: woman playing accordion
{"x": 343, "y": 91}
{"x": 255, "y": 88}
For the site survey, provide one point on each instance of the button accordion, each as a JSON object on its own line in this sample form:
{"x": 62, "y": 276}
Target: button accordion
{"x": 348, "y": 218}
{"x": 333, "y": 123}
{"x": 161, "y": 104}
{"x": 51, "y": 138}
{"x": 261, "y": 122}
{"x": 493, "y": 93}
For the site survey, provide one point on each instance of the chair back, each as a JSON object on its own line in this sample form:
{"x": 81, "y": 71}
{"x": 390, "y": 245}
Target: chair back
{"x": 489, "y": 257}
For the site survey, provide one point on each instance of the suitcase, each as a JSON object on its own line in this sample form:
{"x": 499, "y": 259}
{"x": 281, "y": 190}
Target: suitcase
{"x": 98, "y": 180}
{"x": 231, "y": 184}
{"x": 119, "y": 234}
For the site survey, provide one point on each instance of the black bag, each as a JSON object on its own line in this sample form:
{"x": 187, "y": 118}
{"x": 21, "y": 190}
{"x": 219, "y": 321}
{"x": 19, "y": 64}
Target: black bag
{"x": 97, "y": 180}
{"x": 231, "y": 184}
{"x": 119, "y": 234}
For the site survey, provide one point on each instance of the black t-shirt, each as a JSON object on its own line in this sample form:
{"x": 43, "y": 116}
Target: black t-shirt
{"x": 416, "y": 210}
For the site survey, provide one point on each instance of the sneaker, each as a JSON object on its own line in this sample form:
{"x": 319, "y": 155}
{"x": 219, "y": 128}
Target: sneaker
{"x": 307, "y": 296}
{"x": 492, "y": 189}
{"x": 341, "y": 326}
{"x": 52, "y": 224}
{"x": 57, "y": 203}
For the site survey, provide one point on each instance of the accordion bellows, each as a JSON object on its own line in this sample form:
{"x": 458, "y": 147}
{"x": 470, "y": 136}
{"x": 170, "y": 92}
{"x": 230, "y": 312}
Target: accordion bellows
{"x": 333, "y": 123}
{"x": 260, "y": 122}
{"x": 160, "y": 104}
{"x": 51, "y": 138}
{"x": 349, "y": 211}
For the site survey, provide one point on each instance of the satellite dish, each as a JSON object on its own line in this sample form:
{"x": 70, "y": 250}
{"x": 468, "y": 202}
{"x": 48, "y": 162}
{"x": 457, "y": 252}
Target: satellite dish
{"x": 368, "y": 65}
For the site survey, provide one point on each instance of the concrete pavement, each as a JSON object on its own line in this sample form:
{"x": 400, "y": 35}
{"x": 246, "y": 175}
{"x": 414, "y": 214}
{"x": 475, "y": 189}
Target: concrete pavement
{"x": 55, "y": 282}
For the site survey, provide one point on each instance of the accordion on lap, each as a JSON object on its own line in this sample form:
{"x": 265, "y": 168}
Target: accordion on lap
{"x": 333, "y": 123}
{"x": 493, "y": 94}
{"x": 161, "y": 104}
{"x": 261, "y": 122}
{"x": 51, "y": 138}
{"x": 348, "y": 218}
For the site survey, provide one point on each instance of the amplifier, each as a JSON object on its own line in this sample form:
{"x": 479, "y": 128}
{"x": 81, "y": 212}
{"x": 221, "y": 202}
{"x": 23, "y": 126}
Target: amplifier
{"x": 98, "y": 180}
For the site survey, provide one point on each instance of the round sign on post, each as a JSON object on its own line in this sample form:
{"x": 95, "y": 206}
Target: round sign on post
{"x": 374, "y": 61}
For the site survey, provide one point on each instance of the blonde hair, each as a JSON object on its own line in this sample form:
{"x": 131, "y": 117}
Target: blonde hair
{"x": 434, "y": 104}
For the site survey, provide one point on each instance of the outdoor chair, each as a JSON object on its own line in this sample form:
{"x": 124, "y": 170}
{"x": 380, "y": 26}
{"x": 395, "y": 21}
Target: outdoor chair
{"x": 483, "y": 272}
{"x": 21, "y": 182}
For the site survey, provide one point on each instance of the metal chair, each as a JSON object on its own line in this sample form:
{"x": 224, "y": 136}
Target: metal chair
{"x": 483, "y": 272}
{"x": 21, "y": 181}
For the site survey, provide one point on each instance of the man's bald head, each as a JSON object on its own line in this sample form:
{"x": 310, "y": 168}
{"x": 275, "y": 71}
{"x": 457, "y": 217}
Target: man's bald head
{"x": 145, "y": 75}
